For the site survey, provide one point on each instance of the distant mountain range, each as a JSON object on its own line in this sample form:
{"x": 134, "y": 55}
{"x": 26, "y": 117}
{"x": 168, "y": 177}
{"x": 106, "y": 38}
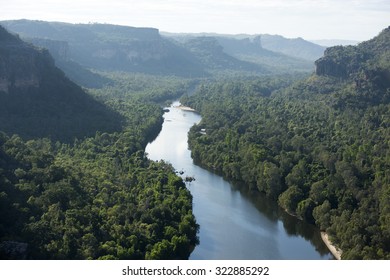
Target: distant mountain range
{"x": 112, "y": 48}
{"x": 297, "y": 48}
{"x": 80, "y": 48}
{"x": 334, "y": 42}
{"x": 250, "y": 49}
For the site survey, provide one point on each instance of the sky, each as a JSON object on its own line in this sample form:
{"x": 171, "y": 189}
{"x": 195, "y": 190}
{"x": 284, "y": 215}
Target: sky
{"x": 310, "y": 19}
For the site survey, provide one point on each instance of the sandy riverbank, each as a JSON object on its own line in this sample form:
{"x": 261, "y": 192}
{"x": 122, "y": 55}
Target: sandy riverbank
{"x": 185, "y": 108}
{"x": 335, "y": 252}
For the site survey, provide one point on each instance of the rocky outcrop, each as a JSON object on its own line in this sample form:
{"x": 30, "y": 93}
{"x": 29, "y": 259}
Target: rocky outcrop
{"x": 346, "y": 62}
{"x": 58, "y": 49}
{"x": 21, "y": 75}
{"x": 341, "y": 61}
{"x": 21, "y": 65}
{"x": 329, "y": 65}
{"x": 37, "y": 99}
{"x": 111, "y": 47}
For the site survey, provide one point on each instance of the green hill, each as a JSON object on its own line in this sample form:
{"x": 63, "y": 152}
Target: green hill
{"x": 98, "y": 197}
{"x": 363, "y": 70}
{"x": 319, "y": 146}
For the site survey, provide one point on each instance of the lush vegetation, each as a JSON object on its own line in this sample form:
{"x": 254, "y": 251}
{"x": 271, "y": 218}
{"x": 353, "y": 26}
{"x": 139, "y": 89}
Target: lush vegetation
{"x": 319, "y": 146}
{"x": 97, "y": 198}
{"x": 76, "y": 183}
{"x": 143, "y": 88}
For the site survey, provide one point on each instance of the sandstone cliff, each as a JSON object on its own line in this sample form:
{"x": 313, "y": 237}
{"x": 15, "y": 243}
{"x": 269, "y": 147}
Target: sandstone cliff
{"x": 21, "y": 65}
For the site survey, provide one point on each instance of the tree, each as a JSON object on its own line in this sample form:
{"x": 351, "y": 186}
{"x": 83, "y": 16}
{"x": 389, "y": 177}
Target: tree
{"x": 290, "y": 198}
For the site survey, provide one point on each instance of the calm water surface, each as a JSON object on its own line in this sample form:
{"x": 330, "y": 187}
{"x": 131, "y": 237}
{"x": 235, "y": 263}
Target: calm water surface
{"x": 234, "y": 224}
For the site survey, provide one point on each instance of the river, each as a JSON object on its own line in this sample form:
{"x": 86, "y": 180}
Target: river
{"x": 234, "y": 224}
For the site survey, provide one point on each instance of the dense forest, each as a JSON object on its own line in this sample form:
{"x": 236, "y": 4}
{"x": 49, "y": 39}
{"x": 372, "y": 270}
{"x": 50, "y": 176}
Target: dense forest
{"x": 74, "y": 180}
{"x": 97, "y": 198}
{"x": 319, "y": 146}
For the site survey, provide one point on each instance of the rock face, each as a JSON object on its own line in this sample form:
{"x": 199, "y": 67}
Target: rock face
{"x": 21, "y": 65}
{"x": 58, "y": 49}
{"x": 365, "y": 68}
{"x": 111, "y": 47}
{"x": 328, "y": 66}
{"x": 346, "y": 62}
{"x": 38, "y": 100}
{"x": 340, "y": 61}
{"x": 213, "y": 55}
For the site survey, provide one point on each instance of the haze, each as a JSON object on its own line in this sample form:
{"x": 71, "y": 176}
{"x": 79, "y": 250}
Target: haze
{"x": 310, "y": 19}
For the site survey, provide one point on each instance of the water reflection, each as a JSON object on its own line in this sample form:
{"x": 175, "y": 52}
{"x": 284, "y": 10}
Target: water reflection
{"x": 235, "y": 223}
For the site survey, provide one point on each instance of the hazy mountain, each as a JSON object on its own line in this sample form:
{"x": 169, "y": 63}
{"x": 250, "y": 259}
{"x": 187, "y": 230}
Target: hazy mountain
{"x": 248, "y": 49}
{"x": 73, "y": 70}
{"x": 252, "y": 50}
{"x": 120, "y": 48}
{"x": 334, "y": 42}
{"x": 296, "y": 48}
{"x": 114, "y": 48}
{"x": 37, "y": 100}
{"x": 214, "y": 56}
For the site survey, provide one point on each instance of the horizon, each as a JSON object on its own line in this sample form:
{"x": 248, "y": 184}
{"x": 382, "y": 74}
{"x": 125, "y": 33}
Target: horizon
{"x": 354, "y": 20}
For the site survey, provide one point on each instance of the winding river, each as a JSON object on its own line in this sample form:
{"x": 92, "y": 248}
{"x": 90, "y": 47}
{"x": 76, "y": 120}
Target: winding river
{"x": 234, "y": 224}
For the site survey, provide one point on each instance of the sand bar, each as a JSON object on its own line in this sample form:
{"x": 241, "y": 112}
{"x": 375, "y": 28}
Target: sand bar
{"x": 185, "y": 108}
{"x": 335, "y": 251}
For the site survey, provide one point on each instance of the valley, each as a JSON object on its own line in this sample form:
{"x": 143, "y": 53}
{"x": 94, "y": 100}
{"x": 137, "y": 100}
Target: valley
{"x": 295, "y": 125}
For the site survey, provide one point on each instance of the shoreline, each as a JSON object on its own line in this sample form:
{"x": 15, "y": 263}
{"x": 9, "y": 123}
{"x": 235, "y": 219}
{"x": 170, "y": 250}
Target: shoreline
{"x": 324, "y": 236}
{"x": 335, "y": 252}
{"x": 184, "y": 108}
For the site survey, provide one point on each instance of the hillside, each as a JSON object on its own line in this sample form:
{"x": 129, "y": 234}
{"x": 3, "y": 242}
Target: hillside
{"x": 73, "y": 70}
{"x": 86, "y": 190}
{"x": 114, "y": 48}
{"x": 276, "y": 45}
{"x": 296, "y": 47}
{"x": 105, "y": 47}
{"x": 319, "y": 146}
{"x": 365, "y": 68}
{"x": 254, "y": 51}
{"x": 249, "y": 49}
{"x": 214, "y": 56}
{"x": 37, "y": 100}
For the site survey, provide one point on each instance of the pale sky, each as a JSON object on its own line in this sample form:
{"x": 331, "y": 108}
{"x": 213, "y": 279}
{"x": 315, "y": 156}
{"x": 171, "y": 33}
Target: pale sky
{"x": 310, "y": 19}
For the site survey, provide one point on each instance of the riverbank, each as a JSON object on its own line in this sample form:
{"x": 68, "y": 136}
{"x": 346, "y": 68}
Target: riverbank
{"x": 324, "y": 236}
{"x": 185, "y": 108}
{"x": 257, "y": 225}
{"x": 335, "y": 251}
